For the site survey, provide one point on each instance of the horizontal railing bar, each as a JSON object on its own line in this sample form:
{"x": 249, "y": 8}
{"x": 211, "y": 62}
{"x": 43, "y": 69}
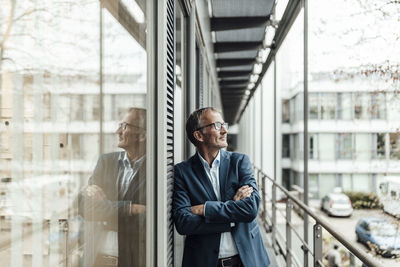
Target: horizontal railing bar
{"x": 364, "y": 257}
{"x": 296, "y": 260}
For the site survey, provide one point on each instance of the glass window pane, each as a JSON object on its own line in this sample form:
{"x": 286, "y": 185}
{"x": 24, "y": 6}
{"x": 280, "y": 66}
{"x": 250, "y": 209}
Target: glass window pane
{"x": 363, "y": 146}
{"x": 313, "y": 105}
{"x": 393, "y": 100}
{"x": 344, "y": 106}
{"x": 394, "y": 145}
{"x": 327, "y": 183}
{"x": 328, "y": 106}
{"x": 379, "y": 147}
{"x": 64, "y": 89}
{"x": 327, "y": 146}
{"x": 362, "y": 109}
{"x": 378, "y": 105}
{"x": 344, "y": 146}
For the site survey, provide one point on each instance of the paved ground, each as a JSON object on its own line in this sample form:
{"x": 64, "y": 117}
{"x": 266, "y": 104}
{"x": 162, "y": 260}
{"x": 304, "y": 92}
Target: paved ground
{"x": 346, "y": 226}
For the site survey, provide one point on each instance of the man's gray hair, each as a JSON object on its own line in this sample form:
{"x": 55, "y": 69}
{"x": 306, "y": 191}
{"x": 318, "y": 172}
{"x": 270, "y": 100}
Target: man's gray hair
{"x": 193, "y": 122}
{"x": 141, "y": 112}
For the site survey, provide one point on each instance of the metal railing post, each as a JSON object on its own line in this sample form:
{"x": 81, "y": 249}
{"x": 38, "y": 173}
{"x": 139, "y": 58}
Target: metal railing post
{"x": 317, "y": 245}
{"x": 264, "y": 196}
{"x": 274, "y": 216}
{"x": 288, "y": 233}
{"x": 352, "y": 260}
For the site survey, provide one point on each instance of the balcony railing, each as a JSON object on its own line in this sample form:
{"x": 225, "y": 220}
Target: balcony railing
{"x": 284, "y": 244}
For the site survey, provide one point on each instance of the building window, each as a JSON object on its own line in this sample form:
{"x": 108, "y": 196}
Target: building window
{"x": 327, "y": 146}
{"x": 378, "y": 145}
{"x": 344, "y": 146}
{"x": 361, "y": 106}
{"x": 286, "y": 146}
{"x": 378, "y": 105}
{"x": 286, "y": 111}
{"x": 394, "y": 145}
{"x": 300, "y": 105}
{"x": 295, "y": 146}
{"x": 344, "y": 106}
{"x": 313, "y": 146}
{"x": 293, "y": 110}
{"x": 328, "y": 106}
{"x": 393, "y": 108}
{"x": 313, "y": 106}
{"x": 362, "y": 146}
{"x": 313, "y": 185}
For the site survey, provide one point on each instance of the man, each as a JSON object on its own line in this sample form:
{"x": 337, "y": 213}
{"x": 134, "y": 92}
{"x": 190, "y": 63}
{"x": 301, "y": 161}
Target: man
{"x": 333, "y": 257}
{"x": 115, "y": 199}
{"x": 216, "y": 201}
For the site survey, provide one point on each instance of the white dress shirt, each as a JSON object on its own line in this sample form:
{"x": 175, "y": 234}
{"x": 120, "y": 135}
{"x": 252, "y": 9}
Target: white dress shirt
{"x": 227, "y": 247}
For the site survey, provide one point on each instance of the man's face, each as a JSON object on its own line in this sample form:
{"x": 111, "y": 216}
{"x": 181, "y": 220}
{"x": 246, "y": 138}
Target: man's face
{"x": 133, "y": 135}
{"x": 212, "y": 138}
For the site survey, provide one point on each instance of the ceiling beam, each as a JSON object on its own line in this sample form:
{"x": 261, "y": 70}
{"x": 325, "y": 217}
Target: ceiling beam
{"x": 224, "y": 74}
{"x": 236, "y": 23}
{"x": 233, "y": 82}
{"x": 235, "y": 62}
{"x": 221, "y": 47}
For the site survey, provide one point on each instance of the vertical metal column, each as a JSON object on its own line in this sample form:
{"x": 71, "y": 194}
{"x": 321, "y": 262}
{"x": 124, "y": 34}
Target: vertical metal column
{"x": 264, "y": 196}
{"x": 274, "y": 186}
{"x": 288, "y": 233}
{"x": 305, "y": 142}
{"x": 101, "y": 138}
{"x": 317, "y": 245}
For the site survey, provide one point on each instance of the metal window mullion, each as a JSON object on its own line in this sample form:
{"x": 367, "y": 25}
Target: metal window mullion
{"x": 305, "y": 135}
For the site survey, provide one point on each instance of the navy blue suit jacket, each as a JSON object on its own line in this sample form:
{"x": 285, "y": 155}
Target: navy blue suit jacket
{"x": 193, "y": 187}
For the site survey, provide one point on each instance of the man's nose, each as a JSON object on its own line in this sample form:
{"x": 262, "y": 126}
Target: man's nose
{"x": 223, "y": 130}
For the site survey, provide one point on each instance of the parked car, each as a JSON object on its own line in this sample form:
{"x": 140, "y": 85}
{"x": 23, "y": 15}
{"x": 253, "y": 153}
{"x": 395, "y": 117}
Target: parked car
{"x": 379, "y": 235}
{"x": 337, "y": 204}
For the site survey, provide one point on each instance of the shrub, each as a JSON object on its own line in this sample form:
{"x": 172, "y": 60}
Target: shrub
{"x": 363, "y": 200}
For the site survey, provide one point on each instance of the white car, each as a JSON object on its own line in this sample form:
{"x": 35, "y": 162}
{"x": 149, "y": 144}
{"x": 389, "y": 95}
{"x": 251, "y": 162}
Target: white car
{"x": 337, "y": 204}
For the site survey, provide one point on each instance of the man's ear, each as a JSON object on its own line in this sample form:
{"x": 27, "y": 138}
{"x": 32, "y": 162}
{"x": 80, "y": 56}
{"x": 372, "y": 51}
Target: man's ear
{"x": 198, "y": 136}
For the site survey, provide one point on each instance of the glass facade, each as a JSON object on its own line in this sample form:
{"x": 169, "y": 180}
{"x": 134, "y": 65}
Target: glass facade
{"x": 73, "y": 93}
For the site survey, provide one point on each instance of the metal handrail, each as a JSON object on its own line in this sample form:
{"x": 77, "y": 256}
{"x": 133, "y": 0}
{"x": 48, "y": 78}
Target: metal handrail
{"x": 363, "y": 256}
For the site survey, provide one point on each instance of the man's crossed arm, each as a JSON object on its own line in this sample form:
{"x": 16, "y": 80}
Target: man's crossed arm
{"x": 242, "y": 193}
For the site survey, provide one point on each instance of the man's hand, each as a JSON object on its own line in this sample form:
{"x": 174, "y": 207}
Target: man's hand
{"x": 94, "y": 192}
{"x": 243, "y": 192}
{"x": 198, "y": 209}
{"x": 138, "y": 209}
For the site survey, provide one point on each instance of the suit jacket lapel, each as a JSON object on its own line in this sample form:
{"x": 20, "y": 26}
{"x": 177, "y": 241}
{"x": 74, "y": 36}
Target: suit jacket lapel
{"x": 223, "y": 173}
{"x": 198, "y": 169}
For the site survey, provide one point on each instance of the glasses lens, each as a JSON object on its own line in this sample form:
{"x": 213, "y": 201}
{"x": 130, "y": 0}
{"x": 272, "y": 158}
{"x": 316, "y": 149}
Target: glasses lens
{"x": 226, "y": 126}
{"x": 122, "y": 125}
{"x": 217, "y": 126}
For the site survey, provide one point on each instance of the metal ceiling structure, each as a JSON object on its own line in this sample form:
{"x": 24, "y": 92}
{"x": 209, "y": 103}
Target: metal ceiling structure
{"x": 244, "y": 47}
{"x": 239, "y": 27}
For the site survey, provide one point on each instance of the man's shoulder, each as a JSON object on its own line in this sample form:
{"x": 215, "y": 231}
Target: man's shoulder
{"x": 113, "y": 156}
{"x": 185, "y": 163}
{"x": 234, "y": 155}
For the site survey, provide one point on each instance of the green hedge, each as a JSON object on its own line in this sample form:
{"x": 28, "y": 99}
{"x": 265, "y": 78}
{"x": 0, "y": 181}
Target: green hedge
{"x": 362, "y": 200}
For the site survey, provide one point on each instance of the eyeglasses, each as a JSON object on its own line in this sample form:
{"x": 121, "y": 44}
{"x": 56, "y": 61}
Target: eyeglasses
{"x": 123, "y": 125}
{"x": 217, "y": 126}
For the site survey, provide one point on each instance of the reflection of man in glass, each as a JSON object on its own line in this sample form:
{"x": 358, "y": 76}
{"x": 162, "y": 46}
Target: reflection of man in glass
{"x": 114, "y": 200}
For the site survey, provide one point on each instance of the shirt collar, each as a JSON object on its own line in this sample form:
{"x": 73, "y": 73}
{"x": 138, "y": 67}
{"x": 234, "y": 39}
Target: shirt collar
{"x": 215, "y": 163}
{"x": 123, "y": 157}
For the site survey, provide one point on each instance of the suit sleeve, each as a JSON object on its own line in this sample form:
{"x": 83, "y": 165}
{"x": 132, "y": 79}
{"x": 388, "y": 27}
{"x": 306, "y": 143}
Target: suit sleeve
{"x": 187, "y": 223}
{"x": 101, "y": 210}
{"x": 244, "y": 210}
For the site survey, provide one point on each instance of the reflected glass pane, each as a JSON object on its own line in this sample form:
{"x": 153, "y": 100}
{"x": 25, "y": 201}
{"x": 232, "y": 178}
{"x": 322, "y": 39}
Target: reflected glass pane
{"x": 70, "y": 72}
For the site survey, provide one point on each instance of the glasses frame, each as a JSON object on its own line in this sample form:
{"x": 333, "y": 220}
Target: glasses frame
{"x": 224, "y": 124}
{"x": 122, "y": 125}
